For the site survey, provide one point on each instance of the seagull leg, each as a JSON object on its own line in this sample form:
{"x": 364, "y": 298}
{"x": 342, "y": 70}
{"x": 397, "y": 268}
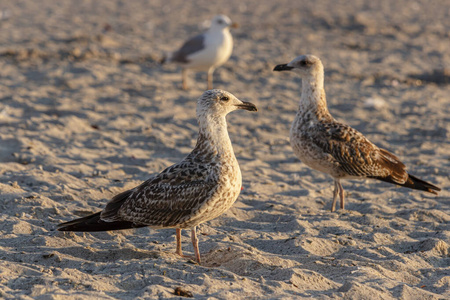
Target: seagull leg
{"x": 184, "y": 79}
{"x": 335, "y": 192}
{"x": 179, "y": 251}
{"x": 195, "y": 243}
{"x": 210, "y": 78}
{"x": 341, "y": 195}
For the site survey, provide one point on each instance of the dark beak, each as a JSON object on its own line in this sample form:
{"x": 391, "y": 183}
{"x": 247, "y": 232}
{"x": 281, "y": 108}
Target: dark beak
{"x": 247, "y": 106}
{"x": 282, "y": 67}
{"x": 234, "y": 25}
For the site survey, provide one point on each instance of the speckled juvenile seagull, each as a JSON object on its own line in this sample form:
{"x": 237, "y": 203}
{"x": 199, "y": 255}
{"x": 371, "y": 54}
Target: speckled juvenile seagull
{"x": 206, "y": 51}
{"x": 199, "y": 188}
{"x": 334, "y": 148}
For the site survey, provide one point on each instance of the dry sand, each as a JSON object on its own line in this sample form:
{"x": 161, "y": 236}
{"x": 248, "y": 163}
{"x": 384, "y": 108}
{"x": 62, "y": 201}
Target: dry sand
{"x": 86, "y": 112}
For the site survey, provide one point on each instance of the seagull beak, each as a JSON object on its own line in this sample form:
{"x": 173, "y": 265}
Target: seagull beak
{"x": 234, "y": 25}
{"x": 282, "y": 67}
{"x": 247, "y": 106}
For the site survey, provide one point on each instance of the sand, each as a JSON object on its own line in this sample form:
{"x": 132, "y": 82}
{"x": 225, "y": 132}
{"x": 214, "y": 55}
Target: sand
{"x": 87, "y": 112}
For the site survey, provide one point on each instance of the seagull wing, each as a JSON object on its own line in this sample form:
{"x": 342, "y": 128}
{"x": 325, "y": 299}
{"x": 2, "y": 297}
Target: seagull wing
{"x": 357, "y": 156}
{"x": 190, "y": 47}
{"x": 166, "y": 199}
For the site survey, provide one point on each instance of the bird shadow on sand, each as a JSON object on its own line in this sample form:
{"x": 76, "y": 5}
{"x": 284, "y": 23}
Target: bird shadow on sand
{"x": 109, "y": 255}
{"x": 77, "y": 257}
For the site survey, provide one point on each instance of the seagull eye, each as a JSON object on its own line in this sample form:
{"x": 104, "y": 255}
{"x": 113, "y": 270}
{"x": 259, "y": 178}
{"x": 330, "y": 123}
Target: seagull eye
{"x": 219, "y": 21}
{"x": 224, "y": 99}
{"x": 303, "y": 63}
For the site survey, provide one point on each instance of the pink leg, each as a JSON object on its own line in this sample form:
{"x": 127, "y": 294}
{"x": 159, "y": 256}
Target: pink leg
{"x": 210, "y": 78}
{"x": 195, "y": 244}
{"x": 179, "y": 251}
{"x": 341, "y": 195}
{"x": 335, "y": 192}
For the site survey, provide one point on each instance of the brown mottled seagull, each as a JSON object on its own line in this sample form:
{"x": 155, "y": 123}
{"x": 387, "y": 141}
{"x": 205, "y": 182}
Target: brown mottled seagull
{"x": 334, "y": 148}
{"x": 206, "y": 51}
{"x": 199, "y": 188}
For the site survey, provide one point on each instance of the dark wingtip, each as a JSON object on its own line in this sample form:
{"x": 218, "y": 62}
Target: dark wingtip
{"x": 420, "y": 184}
{"x": 413, "y": 183}
{"x": 282, "y": 67}
{"x": 88, "y": 223}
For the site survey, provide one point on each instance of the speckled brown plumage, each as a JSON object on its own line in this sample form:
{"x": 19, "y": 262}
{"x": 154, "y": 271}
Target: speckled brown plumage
{"x": 326, "y": 145}
{"x": 199, "y": 188}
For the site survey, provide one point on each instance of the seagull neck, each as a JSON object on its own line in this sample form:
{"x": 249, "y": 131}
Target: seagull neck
{"x": 313, "y": 95}
{"x": 213, "y": 134}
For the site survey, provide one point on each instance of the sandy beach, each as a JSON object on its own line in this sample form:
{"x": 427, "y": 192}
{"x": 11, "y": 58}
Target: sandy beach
{"x": 86, "y": 111}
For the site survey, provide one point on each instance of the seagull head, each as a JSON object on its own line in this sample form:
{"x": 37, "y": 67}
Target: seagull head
{"x": 219, "y": 103}
{"x": 220, "y": 22}
{"x": 305, "y": 65}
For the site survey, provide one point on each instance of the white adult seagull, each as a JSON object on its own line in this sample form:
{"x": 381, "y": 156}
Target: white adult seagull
{"x": 206, "y": 51}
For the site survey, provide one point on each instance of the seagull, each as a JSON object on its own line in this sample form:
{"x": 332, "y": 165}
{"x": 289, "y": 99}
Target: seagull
{"x": 201, "y": 187}
{"x": 206, "y": 51}
{"x": 334, "y": 148}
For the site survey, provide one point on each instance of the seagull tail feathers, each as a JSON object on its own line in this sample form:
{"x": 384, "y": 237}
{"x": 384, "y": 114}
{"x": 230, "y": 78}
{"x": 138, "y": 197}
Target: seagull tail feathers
{"x": 399, "y": 174}
{"x": 94, "y": 223}
{"x": 413, "y": 182}
{"x": 419, "y": 184}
